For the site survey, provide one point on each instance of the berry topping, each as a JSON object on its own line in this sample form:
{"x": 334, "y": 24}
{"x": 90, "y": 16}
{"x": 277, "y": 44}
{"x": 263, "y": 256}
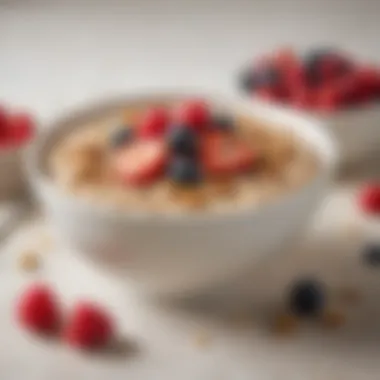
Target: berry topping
{"x": 307, "y": 298}
{"x": 225, "y": 155}
{"x": 89, "y": 327}
{"x": 142, "y": 162}
{"x": 38, "y": 310}
{"x": 182, "y": 140}
{"x": 369, "y": 199}
{"x": 223, "y": 123}
{"x": 184, "y": 171}
{"x": 154, "y": 123}
{"x": 195, "y": 114}
{"x": 21, "y": 128}
{"x": 120, "y": 137}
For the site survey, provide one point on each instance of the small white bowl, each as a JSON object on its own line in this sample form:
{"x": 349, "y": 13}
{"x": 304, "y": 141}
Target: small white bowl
{"x": 356, "y": 131}
{"x": 175, "y": 255}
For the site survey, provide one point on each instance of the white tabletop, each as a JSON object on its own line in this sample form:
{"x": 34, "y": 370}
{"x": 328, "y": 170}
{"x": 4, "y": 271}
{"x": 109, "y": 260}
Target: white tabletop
{"x": 55, "y": 54}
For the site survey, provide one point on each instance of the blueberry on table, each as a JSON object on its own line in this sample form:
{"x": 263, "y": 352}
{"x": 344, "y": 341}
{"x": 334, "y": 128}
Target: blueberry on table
{"x": 307, "y": 298}
{"x": 183, "y": 140}
{"x": 371, "y": 254}
{"x": 184, "y": 171}
{"x": 120, "y": 136}
{"x": 223, "y": 122}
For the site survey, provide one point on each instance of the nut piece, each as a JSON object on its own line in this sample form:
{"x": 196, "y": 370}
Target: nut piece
{"x": 333, "y": 319}
{"x": 285, "y": 324}
{"x": 29, "y": 261}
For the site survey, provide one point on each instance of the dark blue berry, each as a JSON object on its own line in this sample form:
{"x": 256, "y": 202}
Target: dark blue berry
{"x": 307, "y": 298}
{"x": 120, "y": 136}
{"x": 183, "y": 140}
{"x": 253, "y": 79}
{"x": 371, "y": 254}
{"x": 184, "y": 171}
{"x": 223, "y": 123}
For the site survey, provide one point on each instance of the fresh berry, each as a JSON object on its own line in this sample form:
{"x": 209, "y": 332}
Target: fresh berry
{"x": 369, "y": 199}
{"x": 195, "y": 114}
{"x": 182, "y": 140}
{"x": 120, "y": 137}
{"x": 21, "y": 128}
{"x": 223, "y": 123}
{"x": 38, "y": 309}
{"x": 184, "y": 171}
{"x": 142, "y": 162}
{"x": 329, "y": 99}
{"x": 224, "y": 155}
{"x": 154, "y": 123}
{"x": 367, "y": 83}
{"x": 290, "y": 69}
{"x": 371, "y": 254}
{"x": 247, "y": 81}
{"x": 307, "y": 298}
{"x": 89, "y": 327}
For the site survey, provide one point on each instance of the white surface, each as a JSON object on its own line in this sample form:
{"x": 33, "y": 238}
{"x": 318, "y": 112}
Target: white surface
{"x": 65, "y": 52}
{"x": 176, "y": 254}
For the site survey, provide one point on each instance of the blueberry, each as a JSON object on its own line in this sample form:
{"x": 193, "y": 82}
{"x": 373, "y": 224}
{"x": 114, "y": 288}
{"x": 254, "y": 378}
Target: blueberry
{"x": 184, "y": 171}
{"x": 182, "y": 140}
{"x": 371, "y": 254}
{"x": 223, "y": 122}
{"x": 120, "y": 137}
{"x": 247, "y": 81}
{"x": 267, "y": 76}
{"x": 307, "y": 298}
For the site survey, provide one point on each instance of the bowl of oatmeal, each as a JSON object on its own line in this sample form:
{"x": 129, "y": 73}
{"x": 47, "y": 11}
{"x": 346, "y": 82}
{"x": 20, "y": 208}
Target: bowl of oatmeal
{"x": 179, "y": 192}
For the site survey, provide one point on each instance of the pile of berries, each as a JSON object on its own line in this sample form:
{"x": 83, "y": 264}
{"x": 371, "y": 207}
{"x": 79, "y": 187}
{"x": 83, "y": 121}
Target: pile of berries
{"x": 16, "y": 129}
{"x": 88, "y": 326}
{"x": 185, "y": 145}
{"x": 323, "y": 80}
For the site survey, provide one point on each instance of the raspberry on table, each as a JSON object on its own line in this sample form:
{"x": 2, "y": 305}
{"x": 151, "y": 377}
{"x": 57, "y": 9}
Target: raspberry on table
{"x": 38, "y": 309}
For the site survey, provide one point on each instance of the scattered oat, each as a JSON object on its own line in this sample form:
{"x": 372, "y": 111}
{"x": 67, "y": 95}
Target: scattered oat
{"x": 349, "y": 295}
{"x": 202, "y": 339}
{"x": 333, "y": 319}
{"x": 285, "y": 324}
{"x": 30, "y": 261}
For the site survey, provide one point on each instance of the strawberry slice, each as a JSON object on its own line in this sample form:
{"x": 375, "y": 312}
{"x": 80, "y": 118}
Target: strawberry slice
{"x": 154, "y": 123}
{"x": 224, "y": 155}
{"x": 142, "y": 162}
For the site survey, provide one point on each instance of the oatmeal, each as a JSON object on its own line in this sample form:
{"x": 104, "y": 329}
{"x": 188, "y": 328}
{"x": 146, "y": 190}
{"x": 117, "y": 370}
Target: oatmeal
{"x": 179, "y": 157}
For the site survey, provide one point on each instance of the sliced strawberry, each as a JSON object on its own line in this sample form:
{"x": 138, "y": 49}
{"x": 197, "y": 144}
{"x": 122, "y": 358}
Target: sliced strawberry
{"x": 290, "y": 68}
{"x": 369, "y": 199}
{"x": 21, "y": 128}
{"x": 329, "y": 98}
{"x": 224, "y": 155}
{"x": 154, "y": 123}
{"x": 142, "y": 162}
{"x": 195, "y": 114}
{"x": 367, "y": 83}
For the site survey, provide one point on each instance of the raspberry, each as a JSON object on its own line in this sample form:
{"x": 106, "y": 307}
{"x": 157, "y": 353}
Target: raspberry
{"x": 38, "y": 309}
{"x": 89, "y": 327}
{"x": 154, "y": 123}
{"x": 369, "y": 199}
{"x": 21, "y": 128}
{"x": 195, "y": 114}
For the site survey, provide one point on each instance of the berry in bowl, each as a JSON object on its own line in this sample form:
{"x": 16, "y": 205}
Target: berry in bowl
{"x": 17, "y": 129}
{"x": 328, "y": 84}
{"x": 178, "y": 193}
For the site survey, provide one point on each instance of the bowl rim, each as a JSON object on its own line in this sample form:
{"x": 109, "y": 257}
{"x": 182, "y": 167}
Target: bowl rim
{"x": 44, "y": 183}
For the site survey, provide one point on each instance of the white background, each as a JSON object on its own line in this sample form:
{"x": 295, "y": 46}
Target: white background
{"x": 55, "y": 54}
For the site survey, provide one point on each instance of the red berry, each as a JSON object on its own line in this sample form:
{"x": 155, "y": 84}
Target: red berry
{"x": 89, "y": 327}
{"x": 367, "y": 83}
{"x": 154, "y": 123}
{"x": 38, "y": 309}
{"x": 195, "y": 114}
{"x": 369, "y": 199}
{"x": 225, "y": 155}
{"x": 21, "y": 128}
{"x": 142, "y": 162}
{"x": 329, "y": 99}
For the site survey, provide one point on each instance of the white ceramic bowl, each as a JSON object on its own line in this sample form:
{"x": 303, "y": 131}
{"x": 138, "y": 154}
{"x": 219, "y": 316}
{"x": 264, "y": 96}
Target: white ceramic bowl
{"x": 171, "y": 255}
